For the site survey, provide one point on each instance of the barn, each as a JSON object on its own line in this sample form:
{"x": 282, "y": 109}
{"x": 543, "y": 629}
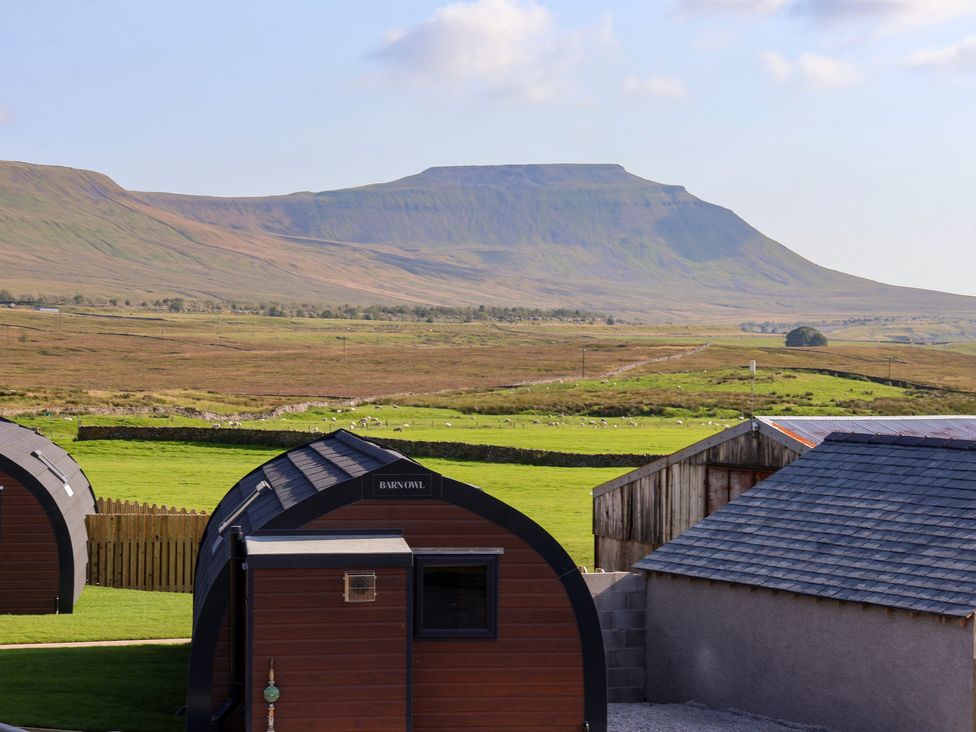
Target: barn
{"x": 44, "y": 498}
{"x": 641, "y": 510}
{"x": 343, "y": 586}
{"x": 838, "y": 592}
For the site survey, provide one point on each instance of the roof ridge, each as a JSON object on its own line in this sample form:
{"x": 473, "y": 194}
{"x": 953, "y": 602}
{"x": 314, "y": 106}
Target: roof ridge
{"x": 901, "y": 440}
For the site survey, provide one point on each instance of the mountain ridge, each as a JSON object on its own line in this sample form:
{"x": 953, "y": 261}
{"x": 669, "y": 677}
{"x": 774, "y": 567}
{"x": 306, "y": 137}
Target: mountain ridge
{"x": 547, "y": 235}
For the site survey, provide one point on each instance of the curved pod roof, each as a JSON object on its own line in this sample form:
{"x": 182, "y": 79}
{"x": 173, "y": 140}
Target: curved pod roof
{"x": 61, "y": 487}
{"x": 312, "y": 480}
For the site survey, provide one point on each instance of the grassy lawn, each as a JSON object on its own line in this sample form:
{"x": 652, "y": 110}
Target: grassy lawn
{"x": 130, "y": 689}
{"x": 104, "y": 613}
{"x": 171, "y": 473}
{"x": 556, "y": 498}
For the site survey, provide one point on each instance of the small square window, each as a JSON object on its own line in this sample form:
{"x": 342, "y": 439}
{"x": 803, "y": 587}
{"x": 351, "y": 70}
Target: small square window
{"x": 360, "y": 586}
{"x": 456, "y": 596}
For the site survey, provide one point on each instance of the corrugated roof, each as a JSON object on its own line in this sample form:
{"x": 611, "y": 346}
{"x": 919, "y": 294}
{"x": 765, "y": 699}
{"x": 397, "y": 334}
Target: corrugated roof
{"x": 36, "y": 455}
{"x": 290, "y": 479}
{"x": 884, "y": 520}
{"x": 813, "y": 430}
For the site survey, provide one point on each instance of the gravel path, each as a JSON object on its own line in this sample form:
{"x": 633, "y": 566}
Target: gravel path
{"x": 694, "y": 718}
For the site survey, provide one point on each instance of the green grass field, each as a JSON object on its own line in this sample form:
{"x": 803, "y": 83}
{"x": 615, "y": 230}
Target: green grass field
{"x": 558, "y": 499}
{"x": 197, "y": 476}
{"x": 171, "y": 473}
{"x": 130, "y": 689}
{"x": 104, "y": 613}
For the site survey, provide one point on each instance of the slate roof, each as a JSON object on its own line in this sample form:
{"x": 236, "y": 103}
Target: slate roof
{"x": 884, "y": 520}
{"x": 19, "y": 450}
{"x": 813, "y": 430}
{"x": 286, "y": 481}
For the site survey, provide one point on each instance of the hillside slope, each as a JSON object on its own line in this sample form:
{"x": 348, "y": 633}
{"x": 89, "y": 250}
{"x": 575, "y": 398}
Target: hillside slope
{"x": 592, "y": 236}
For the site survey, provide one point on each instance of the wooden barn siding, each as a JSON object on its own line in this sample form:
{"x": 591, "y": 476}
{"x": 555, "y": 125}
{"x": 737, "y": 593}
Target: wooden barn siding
{"x": 28, "y": 553}
{"x": 531, "y": 677}
{"x": 340, "y": 666}
{"x": 638, "y": 517}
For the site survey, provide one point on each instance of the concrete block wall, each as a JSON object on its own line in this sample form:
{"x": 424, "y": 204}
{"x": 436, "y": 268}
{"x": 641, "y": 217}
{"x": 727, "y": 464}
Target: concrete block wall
{"x": 620, "y": 598}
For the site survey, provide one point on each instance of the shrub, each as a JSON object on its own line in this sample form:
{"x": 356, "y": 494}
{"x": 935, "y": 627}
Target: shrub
{"x": 805, "y": 336}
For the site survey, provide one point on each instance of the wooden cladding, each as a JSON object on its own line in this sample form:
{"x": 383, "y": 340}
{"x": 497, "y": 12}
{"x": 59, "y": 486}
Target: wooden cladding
{"x": 726, "y": 484}
{"x": 531, "y": 677}
{"x": 144, "y": 551}
{"x": 340, "y": 666}
{"x": 29, "y": 562}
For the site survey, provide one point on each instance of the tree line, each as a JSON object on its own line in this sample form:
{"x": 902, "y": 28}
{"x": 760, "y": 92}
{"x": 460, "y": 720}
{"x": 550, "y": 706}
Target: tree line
{"x": 408, "y": 313}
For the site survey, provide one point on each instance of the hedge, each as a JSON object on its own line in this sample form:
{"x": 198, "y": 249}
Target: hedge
{"x": 412, "y": 448}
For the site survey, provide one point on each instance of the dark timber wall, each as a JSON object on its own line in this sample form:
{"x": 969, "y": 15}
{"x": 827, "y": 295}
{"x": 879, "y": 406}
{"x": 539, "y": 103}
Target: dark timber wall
{"x": 531, "y": 677}
{"x": 333, "y": 659}
{"x": 28, "y": 552}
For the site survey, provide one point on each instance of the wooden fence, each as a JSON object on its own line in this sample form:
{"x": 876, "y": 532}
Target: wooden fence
{"x": 142, "y": 547}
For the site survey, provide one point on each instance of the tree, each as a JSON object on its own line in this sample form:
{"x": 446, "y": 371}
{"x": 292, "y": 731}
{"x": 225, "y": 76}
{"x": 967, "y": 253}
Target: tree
{"x": 805, "y": 336}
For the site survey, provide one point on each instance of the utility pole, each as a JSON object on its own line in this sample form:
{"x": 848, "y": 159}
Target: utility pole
{"x": 583, "y": 364}
{"x": 889, "y": 370}
{"x": 343, "y": 339}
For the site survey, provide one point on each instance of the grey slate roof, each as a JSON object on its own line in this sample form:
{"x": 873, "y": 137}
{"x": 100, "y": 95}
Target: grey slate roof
{"x": 813, "y": 430}
{"x": 291, "y": 478}
{"x": 884, "y": 520}
{"x": 18, "y": 449}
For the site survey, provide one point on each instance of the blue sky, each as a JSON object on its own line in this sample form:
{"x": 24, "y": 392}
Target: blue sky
{"x": 846, "y": 129}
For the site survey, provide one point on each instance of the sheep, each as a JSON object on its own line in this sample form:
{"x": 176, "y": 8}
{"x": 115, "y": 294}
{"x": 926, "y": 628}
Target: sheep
{"x": 216, "y": 425}
{"x": 448, "y": 424}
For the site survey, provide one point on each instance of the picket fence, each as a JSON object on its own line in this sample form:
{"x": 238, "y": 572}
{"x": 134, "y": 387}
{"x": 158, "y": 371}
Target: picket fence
{"x": 140, "y": 546}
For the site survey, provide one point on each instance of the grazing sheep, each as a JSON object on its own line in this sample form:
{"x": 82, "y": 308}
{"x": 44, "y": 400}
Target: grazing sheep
{"x": 216, "y": 425}
{"x": 448, "y": 424}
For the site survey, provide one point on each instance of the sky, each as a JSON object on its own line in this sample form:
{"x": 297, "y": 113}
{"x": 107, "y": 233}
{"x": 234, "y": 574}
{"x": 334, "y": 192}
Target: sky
{"x": 844, "y": 129}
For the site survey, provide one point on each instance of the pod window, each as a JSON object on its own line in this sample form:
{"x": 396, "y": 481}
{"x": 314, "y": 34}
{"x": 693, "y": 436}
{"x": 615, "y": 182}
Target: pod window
{"x": 456, "y": 596}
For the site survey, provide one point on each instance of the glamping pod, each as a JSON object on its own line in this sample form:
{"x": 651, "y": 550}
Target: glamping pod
{"x": 342, "y": 586}
{"x": 44, "y": 498}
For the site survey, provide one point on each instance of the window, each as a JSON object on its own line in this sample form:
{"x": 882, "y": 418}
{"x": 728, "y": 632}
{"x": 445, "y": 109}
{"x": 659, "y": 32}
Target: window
{"x": 456, "y": 595}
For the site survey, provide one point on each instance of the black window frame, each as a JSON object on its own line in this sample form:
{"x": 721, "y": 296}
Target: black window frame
{"x": 438, "y": 559}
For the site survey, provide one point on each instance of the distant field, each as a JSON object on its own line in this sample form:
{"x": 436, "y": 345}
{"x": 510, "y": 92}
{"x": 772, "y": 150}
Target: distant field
{"x": 138, "y": 358}
{"x": 229, "y": 363}
{"x": 726, "y": 393}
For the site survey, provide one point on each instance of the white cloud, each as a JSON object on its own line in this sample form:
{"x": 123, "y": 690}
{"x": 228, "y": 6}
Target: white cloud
{"x": 824, "y": 72}
{"x": 897, "y": 12}
{"x": 957, "y": 57}
{"x": 670, "y": 87}
{"x": 778, "y": 68}
{"x": 739, "y": 6}
{"x": 886, "y": 12}
{"x": 511, "y": 47}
